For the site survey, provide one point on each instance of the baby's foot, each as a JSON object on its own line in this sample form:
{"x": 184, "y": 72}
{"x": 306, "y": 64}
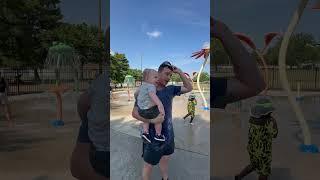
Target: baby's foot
{"x": 146, "y": 137}
{"x": 160, "y": 138}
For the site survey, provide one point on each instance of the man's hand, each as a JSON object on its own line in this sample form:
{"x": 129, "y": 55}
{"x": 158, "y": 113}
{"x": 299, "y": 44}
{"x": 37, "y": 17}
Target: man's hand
{"x": 177, "y": 70}
{"x": 187, "y": 84}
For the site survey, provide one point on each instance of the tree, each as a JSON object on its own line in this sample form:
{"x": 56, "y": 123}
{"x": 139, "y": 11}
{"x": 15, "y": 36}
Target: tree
{"x": 299, "y": 50}
{"x": 23, "y": 23}
{"x": 176, "y": 78}
{"x": 82, "y": 37}
{"x": 136, "y": 73}
{"x": 118, "y": 68}
{"x": 205, "y": 76}
{"x": 219, "y": 55}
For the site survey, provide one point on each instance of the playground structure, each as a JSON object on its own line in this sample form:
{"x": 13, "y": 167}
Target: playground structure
{"x": 205, "y": 52}
{"x": 130, "y": 81}
{"x": 61, "y": 57}
{"x": 306, "y": 146}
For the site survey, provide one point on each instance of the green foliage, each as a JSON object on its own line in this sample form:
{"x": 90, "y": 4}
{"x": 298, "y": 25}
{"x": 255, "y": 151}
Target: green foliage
{"x": 299, "y": 50}
{"x": 136, "y": 73}
{"x": 205, "y": 76}
{"x": 176, "y": 78}
{"x": 22, "y": 24}
{"x": 82, "y": 37}
{"x": 119, "y": 67}
{"x": 219, "y": 56}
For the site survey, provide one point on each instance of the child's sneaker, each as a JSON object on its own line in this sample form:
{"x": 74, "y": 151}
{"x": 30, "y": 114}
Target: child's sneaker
{"x": 146, "y": 137}
{"x": 160, "y": 137}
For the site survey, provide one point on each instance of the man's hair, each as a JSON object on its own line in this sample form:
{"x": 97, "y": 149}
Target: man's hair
{"x": 165, "y": 64}
{"x": 147, "y": 72}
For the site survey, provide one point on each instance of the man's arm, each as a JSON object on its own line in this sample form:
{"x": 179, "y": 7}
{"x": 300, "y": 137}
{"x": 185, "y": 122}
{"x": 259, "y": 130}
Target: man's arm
{"x": 187, "y": 84}
{"x": 136, "y": 115}
{"x": 80, "y": 165}
{"x": 248, "y": 80}
{"x": 83, "y": 106}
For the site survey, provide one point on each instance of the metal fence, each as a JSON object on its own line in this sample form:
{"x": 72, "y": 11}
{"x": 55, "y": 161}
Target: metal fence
{"x": 309, "y": 79}
{"x": 26, "y": 81}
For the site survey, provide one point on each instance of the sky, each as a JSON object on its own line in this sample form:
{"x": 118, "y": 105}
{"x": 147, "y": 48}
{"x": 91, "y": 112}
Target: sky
{"x": 78, "y": 11}
{"x": 159, "y": 31}
{"x": 257, "y": 17}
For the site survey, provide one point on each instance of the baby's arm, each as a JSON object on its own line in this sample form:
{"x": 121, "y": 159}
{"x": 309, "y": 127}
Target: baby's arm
{"x": 136, "y": 94}
{"x": 157, "y": 101}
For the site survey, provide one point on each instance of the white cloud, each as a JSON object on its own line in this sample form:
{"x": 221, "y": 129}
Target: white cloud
{"x": 206, "y": 45}
{"x": 112, "y": 52}
{"x": 154, "y": 34}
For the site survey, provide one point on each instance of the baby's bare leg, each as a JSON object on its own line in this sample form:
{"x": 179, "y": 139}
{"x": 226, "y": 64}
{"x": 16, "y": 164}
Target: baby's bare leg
{"x": 158, "y": 128}
{"x": 146, "y": 128}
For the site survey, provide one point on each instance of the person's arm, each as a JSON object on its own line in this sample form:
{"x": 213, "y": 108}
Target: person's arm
{"x": 136, "y": 94}
{"x": 248, "y": 79}
{"x": 187, "y": 84}
{"x": 136, "y": 115}
{"x": 157, "y": 101}
{"x": 80, "y": 165}
{"x": 83, "y": 106}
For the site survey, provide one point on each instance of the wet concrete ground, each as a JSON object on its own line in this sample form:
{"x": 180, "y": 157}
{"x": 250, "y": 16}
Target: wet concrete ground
{"x": 229, "y": 141}
{"x": 33, "y": 149}
{"x": 190, "y": 160}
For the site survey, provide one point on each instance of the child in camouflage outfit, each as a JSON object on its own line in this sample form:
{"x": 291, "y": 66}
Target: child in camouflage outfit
{"x": 192, "y": 102}
{"x": 262, "y": 130}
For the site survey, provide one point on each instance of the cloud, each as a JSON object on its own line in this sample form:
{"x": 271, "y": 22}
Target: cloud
{"x": 206, "y": 45}
{"x": 154, "y": 34}
{"x": 112, "y": 52}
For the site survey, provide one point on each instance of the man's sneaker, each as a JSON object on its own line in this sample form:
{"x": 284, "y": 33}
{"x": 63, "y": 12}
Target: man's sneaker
{"x": 160, "y": 138}
{"x": 191, "y": 123}
{"x": 146, "y": 137}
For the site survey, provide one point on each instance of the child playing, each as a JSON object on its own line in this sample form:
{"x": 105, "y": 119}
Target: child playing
{"x": 192, "y": 102}
{"x": 262, "y": 129}
{"x": 149, "y": 105}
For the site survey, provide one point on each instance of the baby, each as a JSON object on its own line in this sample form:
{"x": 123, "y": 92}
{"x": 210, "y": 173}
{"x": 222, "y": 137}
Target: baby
{"x": 149, "y": 105}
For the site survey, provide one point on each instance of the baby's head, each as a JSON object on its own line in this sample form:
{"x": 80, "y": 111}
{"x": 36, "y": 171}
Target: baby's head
{"x": 150, "y": 76}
